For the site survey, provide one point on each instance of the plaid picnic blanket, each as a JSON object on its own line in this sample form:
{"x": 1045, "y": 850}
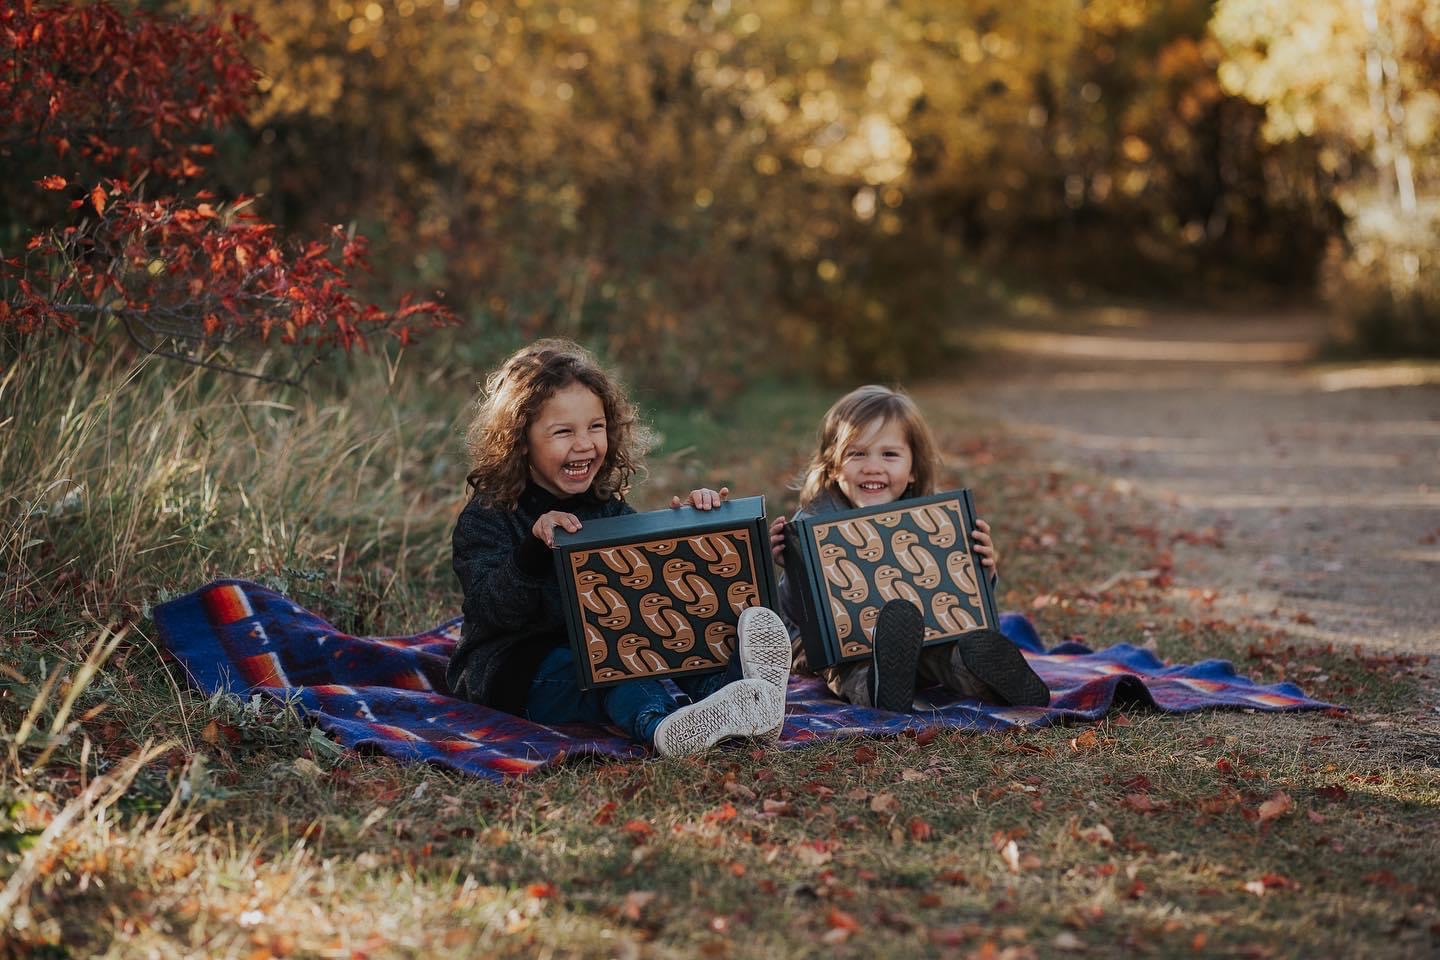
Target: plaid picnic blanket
{"x": 389, "y": 694}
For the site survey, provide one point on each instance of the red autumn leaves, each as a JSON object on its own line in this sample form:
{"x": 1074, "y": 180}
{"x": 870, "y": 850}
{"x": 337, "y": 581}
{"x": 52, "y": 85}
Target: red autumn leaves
{"x": 119, "y": 106}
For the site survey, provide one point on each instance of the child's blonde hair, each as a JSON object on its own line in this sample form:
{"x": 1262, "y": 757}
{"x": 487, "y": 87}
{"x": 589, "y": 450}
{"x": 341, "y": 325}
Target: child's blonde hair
{"x": 511, "y": 399}
{"x": 852, "y": 415}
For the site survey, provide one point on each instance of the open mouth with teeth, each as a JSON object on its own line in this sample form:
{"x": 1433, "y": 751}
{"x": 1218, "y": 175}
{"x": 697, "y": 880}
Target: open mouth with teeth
{"x": 577, "y": 469}
{"x": 874, "y": 486}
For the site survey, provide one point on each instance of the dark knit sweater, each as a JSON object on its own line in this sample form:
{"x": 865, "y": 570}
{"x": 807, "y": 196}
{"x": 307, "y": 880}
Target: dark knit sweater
{"x": 513, "y": 612}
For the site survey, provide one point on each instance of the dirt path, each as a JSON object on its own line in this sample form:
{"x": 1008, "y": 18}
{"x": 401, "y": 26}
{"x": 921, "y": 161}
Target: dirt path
{"x": 1323, "y": 480}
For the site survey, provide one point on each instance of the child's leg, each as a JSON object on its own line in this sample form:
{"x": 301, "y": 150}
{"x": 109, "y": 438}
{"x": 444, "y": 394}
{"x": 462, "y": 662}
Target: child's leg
{"x": 986, "y": 665}
{"x": 555, "y": 695}
{"x": 850, "y": 682}
{"x": 939, "y": 666}
{"x": 635, "y": 706}
{"x": 762, "y": 653}
{"x": 701, "y": 687}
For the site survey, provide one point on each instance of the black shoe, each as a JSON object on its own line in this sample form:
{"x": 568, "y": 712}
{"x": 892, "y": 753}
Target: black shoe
{"x": 999, "y": 664}
{"x": 895, "y": 655}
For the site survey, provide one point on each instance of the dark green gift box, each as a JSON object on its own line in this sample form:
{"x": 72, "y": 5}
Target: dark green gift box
{"x": 847, "y": 565}
{"x": 658, "y": 594}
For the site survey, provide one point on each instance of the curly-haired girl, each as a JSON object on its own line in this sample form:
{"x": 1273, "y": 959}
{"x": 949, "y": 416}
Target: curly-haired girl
{"x": 554, "y": 443}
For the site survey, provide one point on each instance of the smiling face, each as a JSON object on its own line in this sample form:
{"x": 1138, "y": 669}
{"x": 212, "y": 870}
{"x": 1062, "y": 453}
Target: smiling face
{"x": 566, "y": 442}
{"x": 877, "y": 465}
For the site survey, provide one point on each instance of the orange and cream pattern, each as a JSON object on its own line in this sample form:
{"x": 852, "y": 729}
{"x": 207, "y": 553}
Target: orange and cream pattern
{"x": 665, "y": 607}
{"x": 919, "y": 554}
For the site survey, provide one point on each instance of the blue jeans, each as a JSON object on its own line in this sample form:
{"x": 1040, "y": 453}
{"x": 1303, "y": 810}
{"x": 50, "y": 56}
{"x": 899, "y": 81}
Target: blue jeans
{"x": 635, "y": 706}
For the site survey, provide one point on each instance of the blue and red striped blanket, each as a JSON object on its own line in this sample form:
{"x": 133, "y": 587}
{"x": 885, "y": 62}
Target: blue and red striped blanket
{"x": 389, "y": 693}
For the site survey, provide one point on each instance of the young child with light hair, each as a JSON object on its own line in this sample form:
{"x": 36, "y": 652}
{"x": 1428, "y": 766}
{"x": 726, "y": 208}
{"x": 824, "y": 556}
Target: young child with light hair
{"x": 875, "y": 448}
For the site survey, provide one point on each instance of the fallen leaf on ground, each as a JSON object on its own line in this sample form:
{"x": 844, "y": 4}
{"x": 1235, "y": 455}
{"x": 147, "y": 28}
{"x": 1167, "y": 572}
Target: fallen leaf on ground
{"x": 813, "y": 854}
{"x": 1278, "y": 805}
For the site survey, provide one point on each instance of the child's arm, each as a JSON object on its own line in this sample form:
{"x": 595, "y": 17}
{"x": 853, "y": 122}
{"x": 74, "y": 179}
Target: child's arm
{"x": 701, "y": 499}
{"x": 500, "y": 578}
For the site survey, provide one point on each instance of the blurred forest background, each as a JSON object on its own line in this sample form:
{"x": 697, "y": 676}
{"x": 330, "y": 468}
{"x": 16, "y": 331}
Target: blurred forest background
{"x": 707, "y": 191}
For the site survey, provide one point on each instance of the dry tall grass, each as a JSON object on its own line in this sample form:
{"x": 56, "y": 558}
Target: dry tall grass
{"x": 141, "y": 818}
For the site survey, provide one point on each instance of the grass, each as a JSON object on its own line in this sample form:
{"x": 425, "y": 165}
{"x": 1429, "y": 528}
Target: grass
{"x": 149, "y": 820}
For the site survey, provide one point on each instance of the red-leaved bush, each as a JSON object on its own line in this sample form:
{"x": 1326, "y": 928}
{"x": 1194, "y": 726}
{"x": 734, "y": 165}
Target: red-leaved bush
{"x": 103, "y": 107}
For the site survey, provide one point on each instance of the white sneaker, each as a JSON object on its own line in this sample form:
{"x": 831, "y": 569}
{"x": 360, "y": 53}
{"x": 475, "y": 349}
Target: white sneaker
{"x": 745, "y": 708}
{"x": 764, "y": 647}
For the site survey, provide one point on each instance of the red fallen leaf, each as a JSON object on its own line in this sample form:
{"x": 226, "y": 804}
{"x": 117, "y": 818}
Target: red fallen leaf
{"x": 1139, "y": 783}
{"x": 639, "y": 830}
{"x": 1136, "y": 890}
{"x": 1224, "y": 766}
{"x": 542, "y": 891}
{"x": 605, "y": 814}
{"x": 956, "y": 878}
{"x": 1274, "y": 881}
{"x": 777, "y": 808}
{"x": 838, "y": 919}
{"x": 1333, "y": 792}
{"x": 1120, "y": 720}
{"x": 1086, "y": 741}
{"x": 1278, "y": 805}
{"x": 1381, "y": 878}
{"x": 99, "y": 198}
{"x": 865, "y": 754}
{"x": 721, "y": 813}
{"x": 927, "y": 736}
{"x": 1314, "y": 817}
{"x": 52, "y": 182}
{"x": 920, "y": 831}
{"x": 1141, "y": 803}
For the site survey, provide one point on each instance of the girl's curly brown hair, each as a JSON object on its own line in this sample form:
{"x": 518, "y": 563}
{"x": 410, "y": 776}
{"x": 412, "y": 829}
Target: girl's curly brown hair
{"x": 850, "y": 416}
{"x": 511, "y": 399}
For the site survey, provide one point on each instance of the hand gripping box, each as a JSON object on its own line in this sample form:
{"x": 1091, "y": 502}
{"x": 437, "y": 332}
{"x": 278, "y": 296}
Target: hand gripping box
{"x": 848, "y": 565}
{"x": 658, "y": 594}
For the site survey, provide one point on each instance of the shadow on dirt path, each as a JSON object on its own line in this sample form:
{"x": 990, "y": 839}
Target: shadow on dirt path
{"x": 1322, "y": 480}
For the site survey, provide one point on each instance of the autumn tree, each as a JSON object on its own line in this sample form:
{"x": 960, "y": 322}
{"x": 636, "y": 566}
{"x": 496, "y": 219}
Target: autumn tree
{"x": 1361, "y": 82}
{"x": 107, "y": 121}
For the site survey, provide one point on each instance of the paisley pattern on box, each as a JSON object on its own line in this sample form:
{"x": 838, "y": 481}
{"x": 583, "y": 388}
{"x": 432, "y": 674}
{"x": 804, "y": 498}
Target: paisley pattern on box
{"x": 917, "y": 554}
{"x": 665, "y": 607}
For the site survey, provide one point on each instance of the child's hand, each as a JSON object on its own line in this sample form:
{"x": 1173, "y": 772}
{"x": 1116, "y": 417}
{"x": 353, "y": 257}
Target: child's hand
{"x": 544, "y": 528}
{"x": 984, "y": 547}
{"x": 702, "y": 499}
{"x": 777, "y": 541}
